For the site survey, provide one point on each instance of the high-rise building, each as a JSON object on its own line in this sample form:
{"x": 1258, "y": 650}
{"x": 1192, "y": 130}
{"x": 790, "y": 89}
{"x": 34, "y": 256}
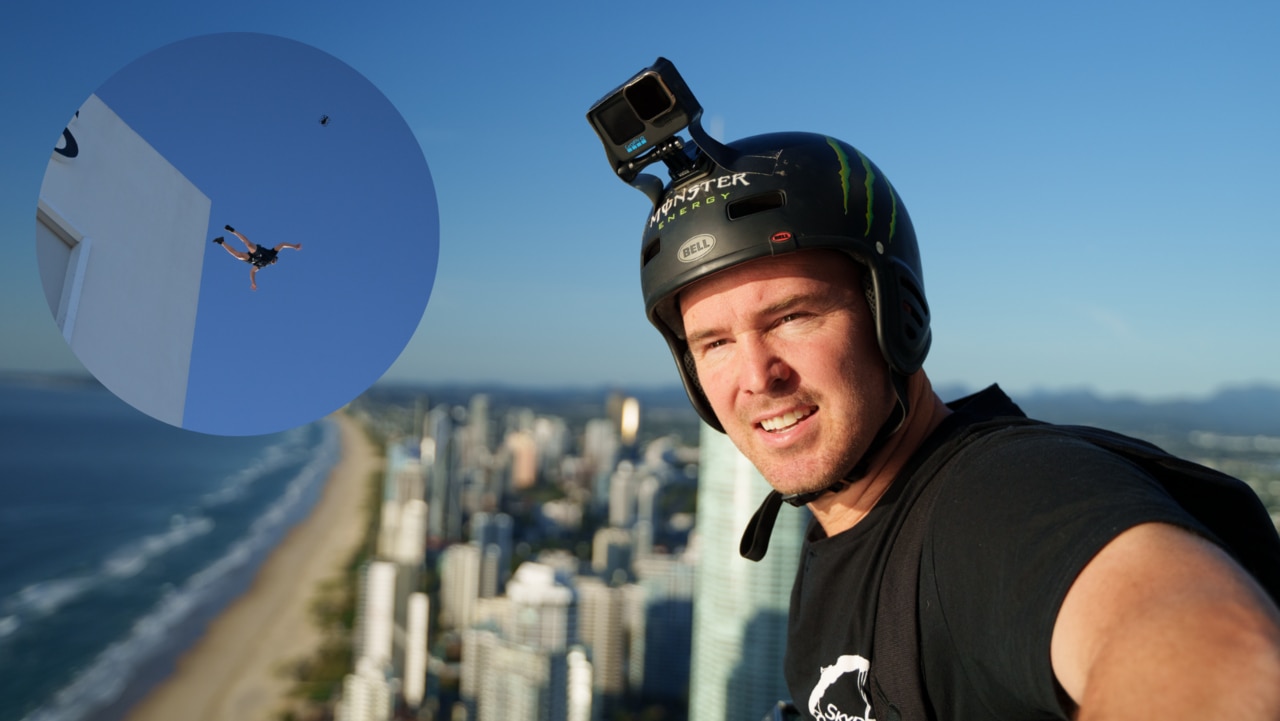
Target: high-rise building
{"x": 518, "y": 667}
{"x": 518, "y": 682}
{"x": 441, "y": 475}
{"x": 494, "y": 532}
{"x": 376, "y": 622}
{"x": 95, "y": 217}
{"x": 624, "y": 485}
{"x": 602, "y": 628}
{"x": 410, "y": 540}
{"x": 524, "y": 459}
{"x": 459, "y": 584}
{"x": 611, "y": 553}
{"x": 551, "y": 436}
{"x": 661, "y": 627}
{"x": 415, "y": 656}
{"x": 599, "y": 456}
{"x": 402, "y": 528}
{"x": 545, "y": 608}
{"x": 740, "y": 608}
{"x": 579, "y": 685}
{"x": 366, "y": 695}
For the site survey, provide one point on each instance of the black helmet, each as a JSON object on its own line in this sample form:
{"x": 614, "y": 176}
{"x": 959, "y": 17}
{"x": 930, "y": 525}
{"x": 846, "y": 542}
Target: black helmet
{"x": 780, "y": 193}
{"x": 757, "y": 197}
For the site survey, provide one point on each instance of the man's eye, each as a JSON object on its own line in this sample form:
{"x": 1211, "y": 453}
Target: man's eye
{"x": 708, "y": 346}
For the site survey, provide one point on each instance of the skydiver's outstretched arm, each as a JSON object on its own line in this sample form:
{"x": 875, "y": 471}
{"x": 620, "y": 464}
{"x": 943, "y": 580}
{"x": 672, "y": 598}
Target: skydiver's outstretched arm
{"x": 253, "y": 280}
{"x": 292, "y": 246}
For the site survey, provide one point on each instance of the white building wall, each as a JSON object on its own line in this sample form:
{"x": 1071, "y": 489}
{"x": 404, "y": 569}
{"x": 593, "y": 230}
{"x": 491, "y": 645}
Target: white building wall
{"x": 459, "y": 584}
{"x": 380, "y": 614}
{"x": 121, "y": 249}
{"x": 415, "y": 661}
{"x": 411, "y": 541}
{"x": 366, "y": 696}
{"x": 601, "y": 619}
{"x": 544, "y": 610}
{"x": 579, "y": 685}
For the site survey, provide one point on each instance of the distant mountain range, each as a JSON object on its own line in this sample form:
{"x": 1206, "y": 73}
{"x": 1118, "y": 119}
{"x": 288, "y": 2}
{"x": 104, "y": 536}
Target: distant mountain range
{"x": 1247, "y": 410}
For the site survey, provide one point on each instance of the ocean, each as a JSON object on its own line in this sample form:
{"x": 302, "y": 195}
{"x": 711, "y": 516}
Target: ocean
{"x": 122, "y": 537}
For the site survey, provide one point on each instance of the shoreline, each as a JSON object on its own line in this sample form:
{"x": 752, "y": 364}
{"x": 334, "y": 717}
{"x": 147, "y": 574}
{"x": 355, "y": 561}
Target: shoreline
{"x": 237, "y": 670}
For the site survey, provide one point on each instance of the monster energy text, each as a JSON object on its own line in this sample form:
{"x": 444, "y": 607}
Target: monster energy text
{"x": 697, "y": 194}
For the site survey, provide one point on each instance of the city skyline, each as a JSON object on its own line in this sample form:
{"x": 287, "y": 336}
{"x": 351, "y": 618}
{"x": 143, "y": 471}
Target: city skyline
{"x": 487, "y": 449}
{"x": 1090, "y": 183}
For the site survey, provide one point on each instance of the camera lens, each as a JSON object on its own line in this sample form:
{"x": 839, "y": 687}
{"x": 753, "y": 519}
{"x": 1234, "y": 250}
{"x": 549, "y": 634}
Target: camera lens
{"x": 649, "y": 97}
{"x": 619, "y": 120}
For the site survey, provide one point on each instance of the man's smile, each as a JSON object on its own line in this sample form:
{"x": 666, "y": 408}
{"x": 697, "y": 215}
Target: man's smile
{"x": 786, "y": 420}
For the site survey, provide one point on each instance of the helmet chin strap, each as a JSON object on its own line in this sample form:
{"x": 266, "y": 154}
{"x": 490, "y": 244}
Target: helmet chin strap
{"x": 755, "y": 539}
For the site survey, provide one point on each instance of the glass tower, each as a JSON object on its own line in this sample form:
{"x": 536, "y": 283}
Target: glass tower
{"x": 740, "y": 607}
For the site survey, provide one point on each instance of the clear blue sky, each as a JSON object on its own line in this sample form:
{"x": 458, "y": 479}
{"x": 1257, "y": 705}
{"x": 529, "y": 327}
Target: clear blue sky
{"x": 1094, "y": 183}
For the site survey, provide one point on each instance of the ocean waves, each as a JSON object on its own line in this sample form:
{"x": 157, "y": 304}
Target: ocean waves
{"x": 221, "y": 537}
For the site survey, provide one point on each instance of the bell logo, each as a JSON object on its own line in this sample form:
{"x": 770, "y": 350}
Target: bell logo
{"x": 695, "y": 248}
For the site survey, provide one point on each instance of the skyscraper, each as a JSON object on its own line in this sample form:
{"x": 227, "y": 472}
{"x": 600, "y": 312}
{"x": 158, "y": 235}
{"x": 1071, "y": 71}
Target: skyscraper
{"x": 740, "y": 607}
{"x": 602, "y": 627}
{"x": 494, "y": 533}
{"x": 460, "y": 567}
{"x": 415, "y": 662}
{"x": 520, "y": 670}
{"x": 661, "y": 627}
{"x": 377, "y": 618}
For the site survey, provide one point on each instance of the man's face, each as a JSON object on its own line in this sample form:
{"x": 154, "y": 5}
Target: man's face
{"x": 786, "y": 353}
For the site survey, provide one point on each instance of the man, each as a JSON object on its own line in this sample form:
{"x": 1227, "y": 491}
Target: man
{"x": 256, "y": 255}
{"x": 1057, "y": 580}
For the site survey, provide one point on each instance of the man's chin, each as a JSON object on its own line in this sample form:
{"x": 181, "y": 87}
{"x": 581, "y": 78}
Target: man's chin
{"x": 799, "y": 477}
{"x": 790, "y": 483}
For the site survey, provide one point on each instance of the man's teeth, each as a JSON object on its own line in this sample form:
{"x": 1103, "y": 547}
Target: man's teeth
{"x": 783, "y": 421}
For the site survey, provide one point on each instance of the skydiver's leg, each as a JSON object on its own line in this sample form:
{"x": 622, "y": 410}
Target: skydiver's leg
{"x": 235, "y": 253}
{"x": 243, "y": 239}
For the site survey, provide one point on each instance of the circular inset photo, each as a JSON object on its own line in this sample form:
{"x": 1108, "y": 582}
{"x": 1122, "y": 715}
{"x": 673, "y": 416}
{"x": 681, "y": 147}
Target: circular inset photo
{"x": 237, "y": 234}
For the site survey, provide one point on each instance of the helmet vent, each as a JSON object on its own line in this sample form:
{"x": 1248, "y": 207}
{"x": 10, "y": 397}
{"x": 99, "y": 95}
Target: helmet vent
{"x": 914, "y": 308}
{"x": 756, "y": 204}
{"x": 650, "y": 251}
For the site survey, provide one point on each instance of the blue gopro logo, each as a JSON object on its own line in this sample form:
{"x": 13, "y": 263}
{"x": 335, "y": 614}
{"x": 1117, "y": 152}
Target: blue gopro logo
{"x": 636, "y": 144}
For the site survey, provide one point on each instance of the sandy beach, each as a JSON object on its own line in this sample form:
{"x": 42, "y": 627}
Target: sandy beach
{"x": 233, "y": 672}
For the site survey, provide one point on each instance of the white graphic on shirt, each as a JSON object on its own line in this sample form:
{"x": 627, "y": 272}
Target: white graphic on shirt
{"x": 828, "y": 675}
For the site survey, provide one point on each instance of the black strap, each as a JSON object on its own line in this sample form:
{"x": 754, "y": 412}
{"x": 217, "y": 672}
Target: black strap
{"x": 755, "y": 538}
{"x": 897, "y": 689}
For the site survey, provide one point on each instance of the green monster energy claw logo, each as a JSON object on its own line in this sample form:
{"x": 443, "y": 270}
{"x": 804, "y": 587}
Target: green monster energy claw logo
{"x": 844, "y": 171}
{"x": 869, "y": 180}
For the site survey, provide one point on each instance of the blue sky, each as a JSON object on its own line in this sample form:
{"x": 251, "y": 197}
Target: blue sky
{"x": 239, "y": 114}
{"x": 1093, "y": 183}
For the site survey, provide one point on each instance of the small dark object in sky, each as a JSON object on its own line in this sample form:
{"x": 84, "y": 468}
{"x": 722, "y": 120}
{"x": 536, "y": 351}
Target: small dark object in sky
{"x": 324, "y": 119}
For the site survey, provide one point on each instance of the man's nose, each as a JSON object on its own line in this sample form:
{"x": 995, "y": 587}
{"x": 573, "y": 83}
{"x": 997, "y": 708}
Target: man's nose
{"x": 763, "y": 369}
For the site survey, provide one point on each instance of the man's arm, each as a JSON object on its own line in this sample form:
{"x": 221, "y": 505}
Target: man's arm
{"x": 1162, "y": 624}
{"x": 253, "y": 280}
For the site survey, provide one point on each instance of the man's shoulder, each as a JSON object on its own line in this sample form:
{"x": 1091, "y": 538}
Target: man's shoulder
{"x": 989, "y": 429}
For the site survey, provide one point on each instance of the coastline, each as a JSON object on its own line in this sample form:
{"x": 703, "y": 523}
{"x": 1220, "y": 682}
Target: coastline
{"x": 235, "y": 672}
